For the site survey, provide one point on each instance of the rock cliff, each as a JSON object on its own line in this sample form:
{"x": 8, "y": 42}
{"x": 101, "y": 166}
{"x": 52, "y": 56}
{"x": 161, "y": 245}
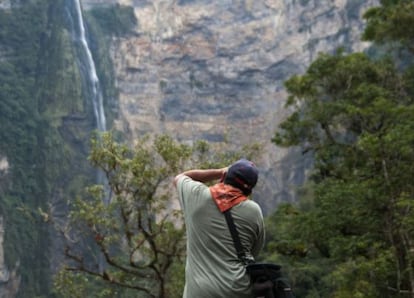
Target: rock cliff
{"x": 214, "y": 70}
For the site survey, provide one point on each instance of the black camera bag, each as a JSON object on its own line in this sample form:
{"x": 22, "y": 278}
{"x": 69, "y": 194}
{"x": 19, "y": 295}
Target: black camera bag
{"x": 266, "y": 278}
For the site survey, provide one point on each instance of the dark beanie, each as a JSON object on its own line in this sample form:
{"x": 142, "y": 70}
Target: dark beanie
{"x": 243, "y": 175}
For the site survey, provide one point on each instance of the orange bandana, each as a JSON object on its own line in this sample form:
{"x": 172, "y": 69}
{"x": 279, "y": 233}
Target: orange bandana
{"x": 226, "y": 196}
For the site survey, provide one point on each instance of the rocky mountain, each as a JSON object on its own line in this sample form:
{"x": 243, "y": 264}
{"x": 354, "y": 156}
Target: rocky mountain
{"x": 214, "y": 70}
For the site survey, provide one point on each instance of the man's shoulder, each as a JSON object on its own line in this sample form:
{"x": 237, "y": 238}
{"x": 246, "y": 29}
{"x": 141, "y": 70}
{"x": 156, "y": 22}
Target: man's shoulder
{"x": 252, "y": 204}
{"x": 250, "y": 208}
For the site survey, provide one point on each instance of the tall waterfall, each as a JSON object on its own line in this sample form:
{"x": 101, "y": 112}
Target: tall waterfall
{"x": 90, "y": 78}
{"x": 88, "y": 66}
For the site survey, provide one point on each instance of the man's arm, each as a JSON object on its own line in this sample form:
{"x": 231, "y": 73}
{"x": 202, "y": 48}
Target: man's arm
{"x": 202, "y": 175}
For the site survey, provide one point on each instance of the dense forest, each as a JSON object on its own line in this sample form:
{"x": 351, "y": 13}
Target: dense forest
{"x": 350, "y": 235}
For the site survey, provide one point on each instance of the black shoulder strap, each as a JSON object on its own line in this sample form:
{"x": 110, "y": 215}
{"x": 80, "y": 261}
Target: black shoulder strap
{"x": 236, "y": 239}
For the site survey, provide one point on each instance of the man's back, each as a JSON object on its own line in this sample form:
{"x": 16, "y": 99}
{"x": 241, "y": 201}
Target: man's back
{"x": 213, "y": 268}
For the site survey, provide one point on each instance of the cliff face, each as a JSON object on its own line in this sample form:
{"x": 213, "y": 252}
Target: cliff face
{"x": 214, "y": 70}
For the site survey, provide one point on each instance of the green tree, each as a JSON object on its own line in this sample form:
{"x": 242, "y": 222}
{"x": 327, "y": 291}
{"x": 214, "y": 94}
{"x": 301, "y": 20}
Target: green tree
{"x": 129, "y": 239}
{"x": 351, "y": 234}
{"x": 391, "y": 23}
{"x": 354, "y": 115}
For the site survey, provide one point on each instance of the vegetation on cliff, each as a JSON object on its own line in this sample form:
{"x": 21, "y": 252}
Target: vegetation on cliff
{"x": 23, "y": 132}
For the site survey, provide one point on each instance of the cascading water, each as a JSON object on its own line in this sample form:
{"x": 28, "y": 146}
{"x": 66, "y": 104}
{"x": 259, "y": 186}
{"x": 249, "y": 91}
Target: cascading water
{"x": 92, "y": 88}
{"x": 87, "y": 65}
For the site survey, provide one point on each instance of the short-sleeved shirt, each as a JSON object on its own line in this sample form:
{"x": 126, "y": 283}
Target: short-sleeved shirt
{"x": 213, "y": 269}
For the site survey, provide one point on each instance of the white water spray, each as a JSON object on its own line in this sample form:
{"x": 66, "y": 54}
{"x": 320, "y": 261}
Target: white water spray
{"x": 96, "y": 94}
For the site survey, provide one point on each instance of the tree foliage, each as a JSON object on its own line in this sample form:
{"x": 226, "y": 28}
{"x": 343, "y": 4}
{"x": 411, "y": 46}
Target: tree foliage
{"x": 115, "y": 20}
{"x": 352, "y": 233}
{"x": 391, "y": 22}
{"x": 130, "y": 240}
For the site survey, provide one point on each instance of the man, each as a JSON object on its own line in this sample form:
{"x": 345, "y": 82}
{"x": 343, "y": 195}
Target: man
{"x": 213, "y": 269}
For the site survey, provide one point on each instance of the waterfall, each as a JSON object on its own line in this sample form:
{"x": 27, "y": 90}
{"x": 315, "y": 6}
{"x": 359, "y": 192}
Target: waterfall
{"x": 87, "y": 63}
{"x": 90, "y": 78}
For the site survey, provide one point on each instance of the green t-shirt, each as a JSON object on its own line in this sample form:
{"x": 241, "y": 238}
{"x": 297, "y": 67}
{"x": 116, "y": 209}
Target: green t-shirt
{"x": 213, "y": 269}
